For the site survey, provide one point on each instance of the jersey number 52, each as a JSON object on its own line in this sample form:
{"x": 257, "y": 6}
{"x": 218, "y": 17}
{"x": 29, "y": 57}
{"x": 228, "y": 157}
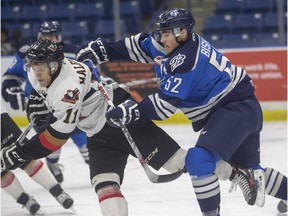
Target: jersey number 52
{"x": 172, "y": 84}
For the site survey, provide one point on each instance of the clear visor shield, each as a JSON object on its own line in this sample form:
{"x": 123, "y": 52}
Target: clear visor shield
{"x": 40, "y": 67}
{"x": 157, "y": 33}
{"x": 51, "y": 37}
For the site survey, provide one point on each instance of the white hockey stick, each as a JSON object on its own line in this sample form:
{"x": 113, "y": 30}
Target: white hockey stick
{"x": 25, "y": 132}
{"x": 153, "y": 177}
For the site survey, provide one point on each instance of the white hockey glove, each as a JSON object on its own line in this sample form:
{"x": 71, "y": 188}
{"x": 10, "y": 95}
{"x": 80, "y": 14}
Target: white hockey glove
{"x": 124, "y": 113}
{"x": 94, "y": 51}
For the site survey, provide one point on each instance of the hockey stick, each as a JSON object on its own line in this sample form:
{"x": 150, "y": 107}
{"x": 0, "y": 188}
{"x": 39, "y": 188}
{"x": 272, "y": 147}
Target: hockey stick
{"x": 19, "y": 140}
{"x": 153, "y": 177}
{"x": 25, "y": 132}
{"x": 139, "y": 82}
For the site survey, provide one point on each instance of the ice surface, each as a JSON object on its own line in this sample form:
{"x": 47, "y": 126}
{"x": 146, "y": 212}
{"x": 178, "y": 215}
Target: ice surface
{"x": 145, "y": 198}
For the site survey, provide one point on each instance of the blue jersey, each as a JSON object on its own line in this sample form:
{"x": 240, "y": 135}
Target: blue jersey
{"x": 195, "y": 78}
{"x": 17, "y": 68}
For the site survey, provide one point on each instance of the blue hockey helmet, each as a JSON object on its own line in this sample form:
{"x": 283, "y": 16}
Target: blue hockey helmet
{"x": 50, "y": 28}
{"x": 175, "y": 19}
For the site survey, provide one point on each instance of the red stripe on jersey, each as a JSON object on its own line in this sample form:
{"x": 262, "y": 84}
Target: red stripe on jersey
{"x": 33, "y": 170}
{"x": 110, "y": 195}
{"x": 44, "y": 141}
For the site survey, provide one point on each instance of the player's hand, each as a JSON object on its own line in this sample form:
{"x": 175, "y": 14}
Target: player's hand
{"x": 123, "y": 113}
{"x": 37, "y": 110}
{"x": 13, "y": 94}
{"x": 11, "y": 157}
{"x": 93, "y": 51}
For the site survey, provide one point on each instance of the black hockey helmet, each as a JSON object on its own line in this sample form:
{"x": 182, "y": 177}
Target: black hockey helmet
{"x": 50, "y": 28}
{"x": 45, "y": 51}
{"x": 175, "y": 19}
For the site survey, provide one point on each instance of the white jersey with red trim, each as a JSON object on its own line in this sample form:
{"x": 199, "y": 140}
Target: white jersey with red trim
{"x": 74, "y": 99}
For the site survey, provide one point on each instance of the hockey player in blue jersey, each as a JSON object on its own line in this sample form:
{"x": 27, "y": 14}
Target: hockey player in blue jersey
{"x": 217, "y": 96}
{"x": 13, "y": 93}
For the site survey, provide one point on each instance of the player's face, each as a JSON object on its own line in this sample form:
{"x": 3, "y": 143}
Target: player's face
{"x": 53, "y": 38}
{"x": 168, "y": 39}
{"x": 42, "y": 73}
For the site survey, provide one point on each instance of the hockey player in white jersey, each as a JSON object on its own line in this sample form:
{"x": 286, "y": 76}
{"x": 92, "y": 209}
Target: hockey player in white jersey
{"x": 71, "y": 94}
{"x": 16, "y": 76}
{"x": 35, "y": 169}
{"x": 215, "y": 95}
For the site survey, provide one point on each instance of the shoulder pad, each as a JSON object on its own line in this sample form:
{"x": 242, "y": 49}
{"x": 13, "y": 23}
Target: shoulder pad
{"x": 184, "y": 58}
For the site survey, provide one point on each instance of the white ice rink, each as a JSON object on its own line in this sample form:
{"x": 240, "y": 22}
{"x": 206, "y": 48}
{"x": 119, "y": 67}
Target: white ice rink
{"x": 145, "y": 198}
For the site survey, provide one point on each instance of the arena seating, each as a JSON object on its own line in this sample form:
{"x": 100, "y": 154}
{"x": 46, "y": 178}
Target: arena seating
{"x": 80, "y": 20}
{"x": 244, "y": 23}
{"x": 84, "y": 20}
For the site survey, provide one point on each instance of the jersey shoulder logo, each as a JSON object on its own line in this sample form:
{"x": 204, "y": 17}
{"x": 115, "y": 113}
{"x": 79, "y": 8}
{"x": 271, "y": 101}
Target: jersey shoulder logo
{"x": 71, "y": 96}
{"x": 158, "y": 60}
{"x": 177, "y": 61}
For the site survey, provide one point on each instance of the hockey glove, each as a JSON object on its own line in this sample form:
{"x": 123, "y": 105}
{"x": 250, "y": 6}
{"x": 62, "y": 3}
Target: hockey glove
{"x": 94, "y": 51}
{"x": 13, "y": 94}
{"x": 11, "y": 157}
{"x": 37, "y": 110}
{"x": 123, "y": 113}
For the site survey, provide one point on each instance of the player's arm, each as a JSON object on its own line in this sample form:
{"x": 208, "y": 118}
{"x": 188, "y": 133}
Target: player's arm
{"x": 154, "y": 107}
{"x": 54, "y": 137}
{"x": 12, "y": 80}
{"x": 40, "y": 145}
{"x": 158, "y": 106}
{"x": 141, "y": 48}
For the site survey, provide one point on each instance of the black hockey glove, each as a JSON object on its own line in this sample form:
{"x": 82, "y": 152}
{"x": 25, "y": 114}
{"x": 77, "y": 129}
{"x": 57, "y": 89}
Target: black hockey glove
{"x": 93, "y": 51}
{"x": 13, "y": 94}
{"x": 37, "y": 110}
{"x": 11, "y": 157}
{"x": 124, "y": 113}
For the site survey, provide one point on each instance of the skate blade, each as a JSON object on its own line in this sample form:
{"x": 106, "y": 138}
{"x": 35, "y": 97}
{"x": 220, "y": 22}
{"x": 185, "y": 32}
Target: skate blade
{"x": 39, "y": 213}
{"x": 72, "y": 209}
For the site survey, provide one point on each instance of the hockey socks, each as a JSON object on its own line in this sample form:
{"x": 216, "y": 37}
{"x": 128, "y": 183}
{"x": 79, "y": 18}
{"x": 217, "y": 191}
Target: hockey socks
{"x": 11, "y": 185}
{"x": 276, "y": 184}
{"x": 112, "y": 202}
{"x": 207, "y": 192}
{"x": 54, "y": 156}
{"x": 84, "y": 153}
{"x": 40, "y": 174}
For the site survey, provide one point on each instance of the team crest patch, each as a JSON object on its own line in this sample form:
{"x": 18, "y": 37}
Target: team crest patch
{"x": 72, "y": 96}
{"x": 177, "y": 61}
{"x": 158, "y": 60}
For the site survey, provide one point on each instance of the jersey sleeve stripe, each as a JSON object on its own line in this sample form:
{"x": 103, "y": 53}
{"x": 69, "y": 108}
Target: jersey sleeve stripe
{"x": 135, "y": 52}
{"x": 48, "y": 145}
{"x": 140, "y": 51}
{"x": 162, "y": 107}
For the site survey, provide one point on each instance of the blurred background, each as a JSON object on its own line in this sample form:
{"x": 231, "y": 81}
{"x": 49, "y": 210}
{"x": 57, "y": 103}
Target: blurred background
{"x": 251, "y": 33}
{"x": 226, "y": 23}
